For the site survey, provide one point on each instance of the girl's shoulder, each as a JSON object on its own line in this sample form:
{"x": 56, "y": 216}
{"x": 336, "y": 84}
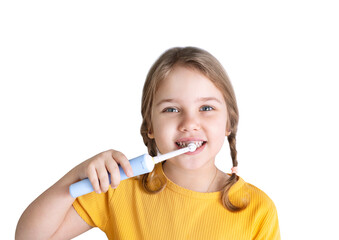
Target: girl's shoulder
{"x": 260, "y": 208}
{"x": 256, "y": 198}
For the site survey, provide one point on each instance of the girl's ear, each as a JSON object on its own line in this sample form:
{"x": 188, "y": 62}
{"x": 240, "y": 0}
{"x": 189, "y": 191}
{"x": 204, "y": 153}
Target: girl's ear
{"x": 150, "y": 134}
{"x": 228, "y": 129}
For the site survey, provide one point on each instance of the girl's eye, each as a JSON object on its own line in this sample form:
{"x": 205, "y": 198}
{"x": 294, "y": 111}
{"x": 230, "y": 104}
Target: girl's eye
{"x": 206, "y": 108}
{"x": 170, "y": 109}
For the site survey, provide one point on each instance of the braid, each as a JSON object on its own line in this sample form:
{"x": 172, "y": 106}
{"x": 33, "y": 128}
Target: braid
{"x": 233, "y": 178}
{"x": 232, "y": 143}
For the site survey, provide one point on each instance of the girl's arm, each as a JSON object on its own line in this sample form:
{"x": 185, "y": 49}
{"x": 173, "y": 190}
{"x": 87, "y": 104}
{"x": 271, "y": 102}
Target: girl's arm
{"x": 51, "y": 215}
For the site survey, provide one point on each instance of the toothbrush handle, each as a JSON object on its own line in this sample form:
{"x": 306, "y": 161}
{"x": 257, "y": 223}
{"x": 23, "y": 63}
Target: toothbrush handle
{"x": 140, "y": 165}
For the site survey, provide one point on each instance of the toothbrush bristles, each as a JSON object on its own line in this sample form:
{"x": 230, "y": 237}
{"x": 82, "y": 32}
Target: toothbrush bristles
{"x": 192, "y": 147}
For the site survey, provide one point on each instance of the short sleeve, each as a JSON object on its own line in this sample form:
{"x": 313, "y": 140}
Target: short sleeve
{"x": 267, "y": 226}
{"x": 94, "y": 208}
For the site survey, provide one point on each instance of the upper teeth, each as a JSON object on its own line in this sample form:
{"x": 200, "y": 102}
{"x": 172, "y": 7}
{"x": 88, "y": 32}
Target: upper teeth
{"x": 185, "y": 144}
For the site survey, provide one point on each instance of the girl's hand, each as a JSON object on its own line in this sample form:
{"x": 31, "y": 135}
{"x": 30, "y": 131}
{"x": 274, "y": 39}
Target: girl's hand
{"x": 96, "y": 169}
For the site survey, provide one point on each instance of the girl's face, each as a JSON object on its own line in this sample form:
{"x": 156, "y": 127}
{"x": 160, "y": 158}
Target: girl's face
{"x": 188, "y": 107}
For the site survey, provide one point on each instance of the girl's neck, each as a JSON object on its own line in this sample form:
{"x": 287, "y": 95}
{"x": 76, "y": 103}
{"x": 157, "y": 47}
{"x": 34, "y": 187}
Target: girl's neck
{"x": 206, "y": 179}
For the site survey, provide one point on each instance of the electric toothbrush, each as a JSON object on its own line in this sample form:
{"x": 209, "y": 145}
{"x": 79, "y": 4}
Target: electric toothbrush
{"x": 140, "y": 165}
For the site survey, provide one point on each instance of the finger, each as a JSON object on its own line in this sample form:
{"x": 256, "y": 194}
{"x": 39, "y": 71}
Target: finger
{"x": 93, "y": 178}
{"x": 121, "y": 159}
{"x": 103, "y": 177}
{"x": 113, "y": 169}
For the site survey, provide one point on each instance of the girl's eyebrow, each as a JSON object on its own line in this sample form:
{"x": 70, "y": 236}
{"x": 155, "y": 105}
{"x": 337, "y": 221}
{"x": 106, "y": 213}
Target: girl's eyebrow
{"x": 205, "y": 99}
{"x": 202, "y": 99}
{"x": 167, "y": 100}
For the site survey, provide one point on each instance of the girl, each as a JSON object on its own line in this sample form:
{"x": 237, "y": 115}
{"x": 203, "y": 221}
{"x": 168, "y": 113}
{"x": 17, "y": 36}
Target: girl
{"x": 187, "y": 97}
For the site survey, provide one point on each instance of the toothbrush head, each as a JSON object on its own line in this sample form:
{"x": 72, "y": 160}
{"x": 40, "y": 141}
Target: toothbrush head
{"x": 192, "y": 147}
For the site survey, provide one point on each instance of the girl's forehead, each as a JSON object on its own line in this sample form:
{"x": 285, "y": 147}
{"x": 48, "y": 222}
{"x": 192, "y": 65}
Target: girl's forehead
{"x": 187, "y": 83}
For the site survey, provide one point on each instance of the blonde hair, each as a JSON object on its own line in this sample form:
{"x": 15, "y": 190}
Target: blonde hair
{"x": 210, "y": 67}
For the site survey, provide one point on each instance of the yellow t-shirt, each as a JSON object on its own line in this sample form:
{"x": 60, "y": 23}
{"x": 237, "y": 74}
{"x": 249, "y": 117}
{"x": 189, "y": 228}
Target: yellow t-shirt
{"x": 128, "y": 212}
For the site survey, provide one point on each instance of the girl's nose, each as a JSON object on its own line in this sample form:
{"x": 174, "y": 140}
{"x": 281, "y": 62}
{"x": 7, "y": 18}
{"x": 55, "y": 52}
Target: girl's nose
{"x": 188, "y": 123}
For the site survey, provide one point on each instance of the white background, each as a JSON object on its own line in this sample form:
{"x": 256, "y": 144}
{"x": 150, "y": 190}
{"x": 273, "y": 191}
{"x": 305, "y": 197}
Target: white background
{"x": 72, "y": 74}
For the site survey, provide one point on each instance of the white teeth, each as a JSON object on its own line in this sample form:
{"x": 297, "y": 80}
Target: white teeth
{"x": 185, "y": 144}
